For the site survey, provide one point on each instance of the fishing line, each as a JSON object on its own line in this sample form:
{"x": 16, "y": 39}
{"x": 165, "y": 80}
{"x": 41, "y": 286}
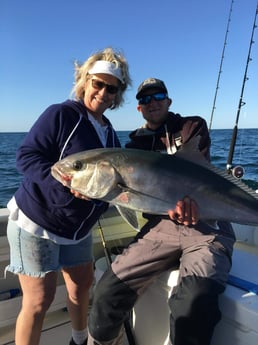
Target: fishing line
{"x": 241, "y": 103}
{"x": 221, "y": 63}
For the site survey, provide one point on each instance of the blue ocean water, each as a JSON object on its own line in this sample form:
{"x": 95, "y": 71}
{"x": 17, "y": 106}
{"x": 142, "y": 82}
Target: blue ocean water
{"x": 246, "y": 153}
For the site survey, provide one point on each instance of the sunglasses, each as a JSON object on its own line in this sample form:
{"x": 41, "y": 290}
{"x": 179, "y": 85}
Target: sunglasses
{"x": 99, "y": 85}
{"x": 160, "y": 96}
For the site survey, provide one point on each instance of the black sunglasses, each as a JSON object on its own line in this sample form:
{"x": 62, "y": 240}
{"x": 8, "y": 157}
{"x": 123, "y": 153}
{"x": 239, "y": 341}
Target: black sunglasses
{"x": 99, "y": 85}
{"x": 159, "y": 96}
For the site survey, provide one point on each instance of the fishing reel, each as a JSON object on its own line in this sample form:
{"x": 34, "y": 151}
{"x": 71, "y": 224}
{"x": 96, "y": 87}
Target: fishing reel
{"x": 237, "y": 171}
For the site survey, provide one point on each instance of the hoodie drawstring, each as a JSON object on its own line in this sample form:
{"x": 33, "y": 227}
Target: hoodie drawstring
{"x": 69, "y": 137}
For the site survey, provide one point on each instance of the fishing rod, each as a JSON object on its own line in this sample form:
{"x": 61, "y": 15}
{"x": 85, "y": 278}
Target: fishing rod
{"x": 106, "y": 251}
{"x": 220, "y": 67}
{"x": 127, "y": 325}
{"x": 238, "y": 171}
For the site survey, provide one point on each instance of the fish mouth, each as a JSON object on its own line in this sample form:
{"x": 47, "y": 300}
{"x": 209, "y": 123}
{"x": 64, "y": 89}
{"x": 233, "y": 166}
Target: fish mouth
{"x": 61, "y": 177}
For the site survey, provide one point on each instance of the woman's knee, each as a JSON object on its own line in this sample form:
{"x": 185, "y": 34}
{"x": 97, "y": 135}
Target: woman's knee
{"x": 78, "y": 280}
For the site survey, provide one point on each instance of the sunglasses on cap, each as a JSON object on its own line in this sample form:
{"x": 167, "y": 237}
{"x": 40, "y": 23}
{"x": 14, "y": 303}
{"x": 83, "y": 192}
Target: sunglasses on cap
{"x": 159, "y": 96}
{"x": 99, "y": 85}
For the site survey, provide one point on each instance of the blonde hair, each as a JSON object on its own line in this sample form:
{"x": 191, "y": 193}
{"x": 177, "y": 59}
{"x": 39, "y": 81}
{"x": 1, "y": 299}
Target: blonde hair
{"x": 82, "y": 75}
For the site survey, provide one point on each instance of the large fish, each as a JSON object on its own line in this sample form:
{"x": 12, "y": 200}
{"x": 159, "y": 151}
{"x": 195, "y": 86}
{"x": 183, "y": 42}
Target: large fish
{"x": 152, "y": 182}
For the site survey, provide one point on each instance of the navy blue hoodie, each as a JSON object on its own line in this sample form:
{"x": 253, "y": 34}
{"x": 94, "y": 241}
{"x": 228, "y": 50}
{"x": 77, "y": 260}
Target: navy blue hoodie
{"x": 43, "y": 199}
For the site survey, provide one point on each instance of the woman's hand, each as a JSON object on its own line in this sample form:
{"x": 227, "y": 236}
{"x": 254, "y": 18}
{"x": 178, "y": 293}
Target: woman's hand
{"x": 79, "y": 195}
{"x": 186, "y": 212}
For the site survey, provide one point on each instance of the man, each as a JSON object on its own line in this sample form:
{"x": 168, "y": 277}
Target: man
{"x": 202, "y": 251}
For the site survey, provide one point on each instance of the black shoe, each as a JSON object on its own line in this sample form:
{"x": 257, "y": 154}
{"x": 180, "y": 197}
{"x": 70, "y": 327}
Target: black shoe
{"x": 73, "y": 343}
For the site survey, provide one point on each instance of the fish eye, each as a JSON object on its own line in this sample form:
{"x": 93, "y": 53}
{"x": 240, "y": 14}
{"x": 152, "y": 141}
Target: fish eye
{"x": 77, "y": 165}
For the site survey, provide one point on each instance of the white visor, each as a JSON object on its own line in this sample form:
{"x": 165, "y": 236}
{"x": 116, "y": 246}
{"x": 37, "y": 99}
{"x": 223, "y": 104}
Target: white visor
{"x": 107, "y": 67}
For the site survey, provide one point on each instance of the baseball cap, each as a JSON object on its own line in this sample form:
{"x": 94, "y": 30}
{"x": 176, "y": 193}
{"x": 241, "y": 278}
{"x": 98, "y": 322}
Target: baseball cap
{"x": 151, "y": 83}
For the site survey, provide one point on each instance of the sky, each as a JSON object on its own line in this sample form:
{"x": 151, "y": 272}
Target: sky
{"x": 178, "y": 41}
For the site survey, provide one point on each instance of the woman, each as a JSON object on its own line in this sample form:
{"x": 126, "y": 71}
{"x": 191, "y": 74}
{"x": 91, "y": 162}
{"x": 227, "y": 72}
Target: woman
{"x": 49, "y": 229}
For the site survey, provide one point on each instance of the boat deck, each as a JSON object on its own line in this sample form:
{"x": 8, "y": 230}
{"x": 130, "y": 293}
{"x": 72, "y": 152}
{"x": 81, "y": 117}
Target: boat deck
{"x": 57, "y": 326}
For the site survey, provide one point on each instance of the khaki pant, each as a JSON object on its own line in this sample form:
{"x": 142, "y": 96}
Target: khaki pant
{"x": 203, "y": 255}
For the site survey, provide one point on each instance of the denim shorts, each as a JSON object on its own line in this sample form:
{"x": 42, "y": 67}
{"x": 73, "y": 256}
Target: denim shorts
{"x": 35, "y": 256}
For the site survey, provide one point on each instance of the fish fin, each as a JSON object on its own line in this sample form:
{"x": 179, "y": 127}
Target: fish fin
{"x": 130, "y": 216}
{"x": 127, "y": 193}
{"x": 191, "y": 152}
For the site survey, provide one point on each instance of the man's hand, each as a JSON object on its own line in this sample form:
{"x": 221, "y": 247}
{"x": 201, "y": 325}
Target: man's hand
{"x": 186, "y": 212}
